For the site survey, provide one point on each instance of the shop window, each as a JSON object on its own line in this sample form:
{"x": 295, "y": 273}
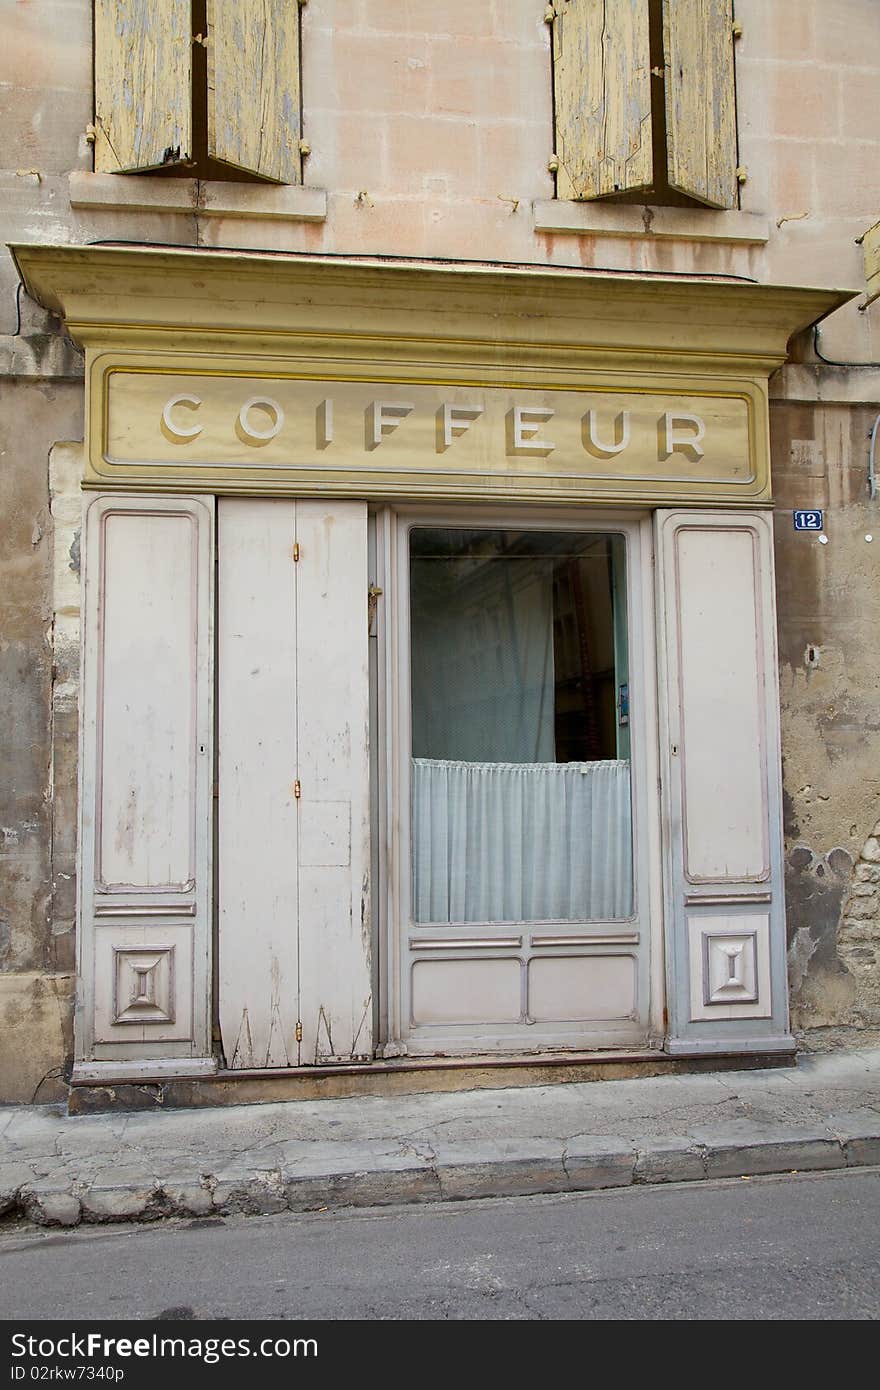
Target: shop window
{"x": 198, "y": 88}
{"x": 645, "y": 101}
{"x": 521, "y": 796}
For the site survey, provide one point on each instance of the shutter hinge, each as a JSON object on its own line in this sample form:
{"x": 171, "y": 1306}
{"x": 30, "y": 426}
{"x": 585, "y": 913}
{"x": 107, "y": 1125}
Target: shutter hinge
{"x": 203, "y": 39}
{"x": 553, "y": 163}
{"x": 549, "y": 15}
{"x": 374, "y": 593}
{"x": 305, "y": 147}
{"x": 91, "y": 134}
{"x": 742, "y": 174}
{"x": 737, "y": 30}
{"x": 297, "y": 790}
{"x": 299, "y": 1030}
{"x": 295, "y": 551}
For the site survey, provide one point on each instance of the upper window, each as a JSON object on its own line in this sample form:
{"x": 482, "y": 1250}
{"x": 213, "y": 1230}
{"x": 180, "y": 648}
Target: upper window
{"x": 645, "y": 101}
{"x": 203, "y": 88}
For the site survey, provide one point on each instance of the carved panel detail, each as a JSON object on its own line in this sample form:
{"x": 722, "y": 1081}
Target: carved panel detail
{"x": 729, "y": 965}
{"x": 143, "y": 984}
{"x": 730, "y": 969}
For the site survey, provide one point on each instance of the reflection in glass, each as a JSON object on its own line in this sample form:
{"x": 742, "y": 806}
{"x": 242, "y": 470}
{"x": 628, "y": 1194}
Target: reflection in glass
{"x": 520, "y": 727}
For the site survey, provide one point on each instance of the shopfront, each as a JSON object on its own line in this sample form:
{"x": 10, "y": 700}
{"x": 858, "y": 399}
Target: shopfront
{"x": 429, "y": 700}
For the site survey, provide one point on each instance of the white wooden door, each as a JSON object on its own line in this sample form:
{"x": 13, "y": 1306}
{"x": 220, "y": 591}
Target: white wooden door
{"x": 720, "y": 767}
{"x": 293, "y": 783}
{"x": 145, "y": 810}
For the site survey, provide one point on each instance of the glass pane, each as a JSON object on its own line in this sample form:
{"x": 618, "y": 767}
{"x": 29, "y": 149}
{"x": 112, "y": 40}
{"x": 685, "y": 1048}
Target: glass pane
{"x": 520, "y": 726}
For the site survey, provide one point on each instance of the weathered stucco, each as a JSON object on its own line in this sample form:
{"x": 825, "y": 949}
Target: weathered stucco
{"x": 829, "y": 618}
{"x": 36, "y": 930}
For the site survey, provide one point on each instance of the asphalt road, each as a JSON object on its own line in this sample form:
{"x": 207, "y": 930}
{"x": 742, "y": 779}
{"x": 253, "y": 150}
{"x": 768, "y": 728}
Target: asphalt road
{"x": 803, "y": 1247}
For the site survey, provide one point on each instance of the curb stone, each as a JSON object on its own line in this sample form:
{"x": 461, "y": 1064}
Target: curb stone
{"x": 446, "y": 1173}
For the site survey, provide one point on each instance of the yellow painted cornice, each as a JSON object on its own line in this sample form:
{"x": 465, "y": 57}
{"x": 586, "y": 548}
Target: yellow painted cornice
{"x": 134, "y": 296}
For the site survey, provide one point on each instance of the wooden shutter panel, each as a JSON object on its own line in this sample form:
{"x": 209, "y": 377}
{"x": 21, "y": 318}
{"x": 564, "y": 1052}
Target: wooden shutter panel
{"x": 293, "y": 806}
{"x": 143, "y": 65}
{"x": 720, "y": 772}
{"x": 700, "y": 100}
{"x": 334, "y": 827}
{"x": 146, "y": 761}
{"x": 602, "y": 87}
{"x": 254, "y": 86}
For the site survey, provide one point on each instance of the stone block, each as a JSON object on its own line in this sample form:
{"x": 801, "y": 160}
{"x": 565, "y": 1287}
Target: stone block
{"x": 804, "y": 101}
{"x": 745, "y": 1148}
{"x": 501, "y": 1170}
{"x": 119, "y": 1204}
{"x": 384, "y": 1183}
{"x": 862, "y": 908}
{"x": 862, "y": 1152}
{"x": 188, "y": 1199}
{"x": 668, "y": 1159}
{"x": 50, "y": 1205}
{"x": 13, "y": 1177}
{"x": 594, "y": 1161}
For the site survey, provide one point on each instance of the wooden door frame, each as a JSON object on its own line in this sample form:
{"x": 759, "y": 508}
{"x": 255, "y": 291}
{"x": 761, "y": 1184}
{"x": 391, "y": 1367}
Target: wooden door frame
{"x": 392, "y": 800}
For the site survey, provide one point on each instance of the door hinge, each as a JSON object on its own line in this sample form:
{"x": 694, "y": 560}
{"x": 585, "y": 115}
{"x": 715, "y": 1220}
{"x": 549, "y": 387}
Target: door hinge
{"x": 295, "y": 551}
{"x": 297, "y": 789}
{"x": 299, "y": 1030}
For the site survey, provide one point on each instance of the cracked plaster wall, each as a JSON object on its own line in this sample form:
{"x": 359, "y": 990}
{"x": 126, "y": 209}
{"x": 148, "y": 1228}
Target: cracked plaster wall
{"x": 37, "y": 950}
{"x": 829, "y": 621}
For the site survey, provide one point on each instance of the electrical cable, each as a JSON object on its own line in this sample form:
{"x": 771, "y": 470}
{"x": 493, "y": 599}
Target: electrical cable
{"x": 831, "y": 361}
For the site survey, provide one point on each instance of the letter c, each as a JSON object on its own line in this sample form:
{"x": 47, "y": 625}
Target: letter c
{"x": 179, "y": 431}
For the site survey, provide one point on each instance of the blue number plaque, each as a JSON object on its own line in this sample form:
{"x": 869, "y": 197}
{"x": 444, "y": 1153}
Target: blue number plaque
{"x": 808, "y": 521}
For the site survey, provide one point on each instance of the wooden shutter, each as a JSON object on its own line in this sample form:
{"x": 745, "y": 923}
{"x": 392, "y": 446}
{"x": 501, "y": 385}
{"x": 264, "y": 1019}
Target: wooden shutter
{"x": 720, "y": 769}
{"x": 602, "y": 87}
{"x": 700, "y": 100}
{"x": 293, "y": 806}
{"x": 254, "y": 86}
{"x": 146, "y": 754}
{"x": 332, "y": 725}
{"x": 143, "y": 64}
{"x": 258, "y": 868}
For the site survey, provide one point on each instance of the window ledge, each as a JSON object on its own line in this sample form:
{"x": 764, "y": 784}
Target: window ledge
{"x": 632, "y": 220}
{"x": 205, "y": 197}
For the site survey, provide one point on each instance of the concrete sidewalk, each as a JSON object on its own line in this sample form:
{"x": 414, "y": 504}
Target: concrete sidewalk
{"x": 57, "y": 1169}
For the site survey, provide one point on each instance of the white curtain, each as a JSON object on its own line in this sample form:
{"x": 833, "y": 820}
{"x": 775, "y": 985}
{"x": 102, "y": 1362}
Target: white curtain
{"x": 482, "y": 660}
{"x": 521, "y": 842}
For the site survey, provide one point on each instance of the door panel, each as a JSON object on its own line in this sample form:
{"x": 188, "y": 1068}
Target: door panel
{"x": 145, "y": 845}
{"x": 293, "y": 790}
{"x": 720, "y": 761}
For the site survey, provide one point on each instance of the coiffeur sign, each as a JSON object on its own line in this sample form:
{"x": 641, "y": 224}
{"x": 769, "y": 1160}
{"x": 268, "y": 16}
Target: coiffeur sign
{"x": 391, "y": 436}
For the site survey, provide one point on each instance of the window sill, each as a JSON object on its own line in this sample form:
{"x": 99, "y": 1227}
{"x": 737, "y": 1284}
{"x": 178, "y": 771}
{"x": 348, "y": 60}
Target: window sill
{"x": 632, "y": 220}
{"x": 206, "y": 198}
